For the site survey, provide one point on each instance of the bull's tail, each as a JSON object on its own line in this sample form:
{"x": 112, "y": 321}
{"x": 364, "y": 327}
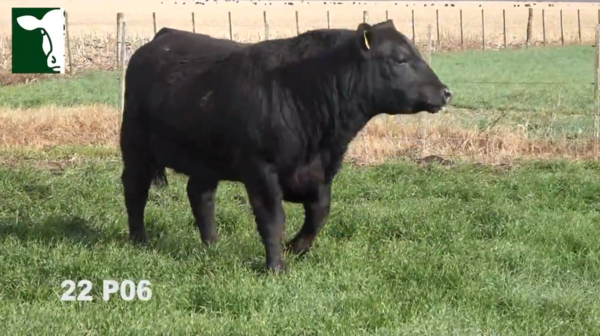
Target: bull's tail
{"x": 160, "y": 178}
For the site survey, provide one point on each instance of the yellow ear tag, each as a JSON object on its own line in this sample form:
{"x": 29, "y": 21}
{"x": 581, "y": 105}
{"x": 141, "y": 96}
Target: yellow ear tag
{"x": 366, "y": 41}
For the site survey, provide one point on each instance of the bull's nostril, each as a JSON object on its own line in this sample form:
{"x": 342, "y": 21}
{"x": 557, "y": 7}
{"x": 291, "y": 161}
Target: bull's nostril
{"x": 447, "y": 94}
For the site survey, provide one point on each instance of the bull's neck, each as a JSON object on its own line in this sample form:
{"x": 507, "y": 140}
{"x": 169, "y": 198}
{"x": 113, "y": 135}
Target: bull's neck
{"x": 347, "y": 118}
{"x": 334, "y": 94}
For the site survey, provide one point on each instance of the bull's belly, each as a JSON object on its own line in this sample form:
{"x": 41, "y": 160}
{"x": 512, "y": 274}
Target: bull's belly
{"x": 301, "y": 186}
{"x": 298, "y": 185}
{"x": 194, "y": 161}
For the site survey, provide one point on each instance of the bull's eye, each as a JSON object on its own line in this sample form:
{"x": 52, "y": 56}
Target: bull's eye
{"x": 399, "y": 61}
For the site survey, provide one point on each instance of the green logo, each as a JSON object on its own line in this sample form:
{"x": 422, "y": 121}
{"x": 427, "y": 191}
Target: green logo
{"x": 38, "y": 40}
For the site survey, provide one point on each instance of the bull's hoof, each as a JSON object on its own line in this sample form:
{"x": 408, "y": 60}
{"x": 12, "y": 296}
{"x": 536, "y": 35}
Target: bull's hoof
{"x": 298, "y": 247}
{"x": 208, "y": 239}
{"x": 277, "y": 267}
{"x": 138, "y": 238}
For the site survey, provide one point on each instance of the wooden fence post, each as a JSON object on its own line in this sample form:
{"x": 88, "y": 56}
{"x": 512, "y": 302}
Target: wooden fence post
{"x": 297, "y": 24}
{"x": 266, "y": 25}
{"x": 193, "y": 23}
{"x": 120, "y": 18}
{"x": 365, "y": 16}
{"x": 328, "y": 21}
{"x": 230, "y": 26}
{"x": 122, "y": 97}
{"x": 429, "y": 44}
{"x": 597, "y": 65}
{"x": 154, "y": 21}
{"x": 462, "y": 41}
{"x": 482, "y": 29}
{"x": 437, "y": 26}
{"x": 68, "y": 42}
{"x": 579, "y": 26}
{"x": 504, "y": 27}
{"x": 529, "y": 27}
{"x": 597, "y": 89}
{"x": 413, "y": 27}
{"x": 544, "y": 26}
{"x": 562, "y": 33}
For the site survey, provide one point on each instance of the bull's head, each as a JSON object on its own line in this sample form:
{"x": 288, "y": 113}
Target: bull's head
{"x": 52, "y": 30}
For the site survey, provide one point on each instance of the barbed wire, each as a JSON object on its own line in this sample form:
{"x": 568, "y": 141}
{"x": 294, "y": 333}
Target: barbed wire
{"x": 518, "y": 83}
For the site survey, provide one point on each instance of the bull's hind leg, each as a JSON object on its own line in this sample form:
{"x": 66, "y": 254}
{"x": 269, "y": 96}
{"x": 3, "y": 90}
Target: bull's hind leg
{"x": 315, "y": 216}
{"x": 136, "y": 183}
{"x": 201, "y": 193}
{"x": 139, "y": 169}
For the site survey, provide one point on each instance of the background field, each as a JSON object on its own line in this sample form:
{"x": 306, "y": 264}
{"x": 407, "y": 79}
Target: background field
{"x": 93, "y": 30}
{"x": 508, "y": 104}
{"x": 500, "y": 238}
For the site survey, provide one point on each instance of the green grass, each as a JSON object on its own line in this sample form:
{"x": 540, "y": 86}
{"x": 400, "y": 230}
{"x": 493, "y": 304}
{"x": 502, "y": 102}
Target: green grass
{"x": 407, "y": 251}
{"x": 482, "y": 79}
{"x": 472, "y": 75}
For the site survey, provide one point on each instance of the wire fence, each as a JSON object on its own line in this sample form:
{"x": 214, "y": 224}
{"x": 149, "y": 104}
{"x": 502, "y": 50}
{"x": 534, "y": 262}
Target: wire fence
{"x": 512, "y": 96}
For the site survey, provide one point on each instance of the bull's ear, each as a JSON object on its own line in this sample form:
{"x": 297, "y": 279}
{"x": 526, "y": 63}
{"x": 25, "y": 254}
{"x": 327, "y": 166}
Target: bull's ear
{"x": 364, "y": 36}
{"x": 28, "y": 22}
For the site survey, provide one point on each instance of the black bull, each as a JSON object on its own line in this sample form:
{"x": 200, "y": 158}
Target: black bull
{"x": 276, "y": 115}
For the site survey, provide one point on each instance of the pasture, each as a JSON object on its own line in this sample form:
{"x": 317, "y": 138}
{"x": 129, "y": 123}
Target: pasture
{"x": 408, "y": 250}
{"x": 480, "y": 220}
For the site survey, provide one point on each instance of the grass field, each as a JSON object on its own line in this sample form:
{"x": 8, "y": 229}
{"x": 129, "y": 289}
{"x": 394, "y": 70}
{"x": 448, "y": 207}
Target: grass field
{"x": 551, "y": 79}
{"x": 408, "y": 250}
{"x": 501, "y": 241}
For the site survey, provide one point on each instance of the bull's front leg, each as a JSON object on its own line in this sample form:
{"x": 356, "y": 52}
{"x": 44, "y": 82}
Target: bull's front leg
{"x": 315, "y": 215}
{"x": 201, "y": 192}
{"x": 265, "y": 197}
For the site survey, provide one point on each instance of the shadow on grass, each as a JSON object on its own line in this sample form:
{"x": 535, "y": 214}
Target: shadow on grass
{"x": 79, "y": 231}
{"x": 51, "y": 229}
{"x": 76, "y": 230}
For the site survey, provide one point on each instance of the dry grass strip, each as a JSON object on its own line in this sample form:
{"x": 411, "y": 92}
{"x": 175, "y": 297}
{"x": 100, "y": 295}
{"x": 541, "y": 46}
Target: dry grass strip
{"x": 384, "y": 137}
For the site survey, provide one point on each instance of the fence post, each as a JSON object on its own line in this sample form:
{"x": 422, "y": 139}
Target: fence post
{"x": 386, "y": 15}
{"x": 429, "y": 44}
{"x": 596, "y": 88}
{"x": 67, "y": 38}
{"x": 562, "y": 32}
{"x": 529, "y": 27}
{"x": 328, "y": 21}
{"x": 365, "y": 16}
{"x": 437, "y": 24}
{"x": 504, "y": 27}
{"x": 266, "y": 25}
{"x": 544, "y": 26}
{"x": 154, "y": 21}
{"x": 122, "y": 97}
{"x": 413, "y": 27}
{"x": 482, "y": 29}
{"x": 230, "y": 26}
{"x": 579, "y": 26}
{"x": 193, "y": 23}
{"x": 462, "y": 41}
{"x": 297, "y": 24}
{"x": 120, "y": 18}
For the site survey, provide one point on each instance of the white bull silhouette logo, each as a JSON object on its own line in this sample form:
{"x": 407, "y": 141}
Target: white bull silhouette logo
{"x": 53, "y": 36}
